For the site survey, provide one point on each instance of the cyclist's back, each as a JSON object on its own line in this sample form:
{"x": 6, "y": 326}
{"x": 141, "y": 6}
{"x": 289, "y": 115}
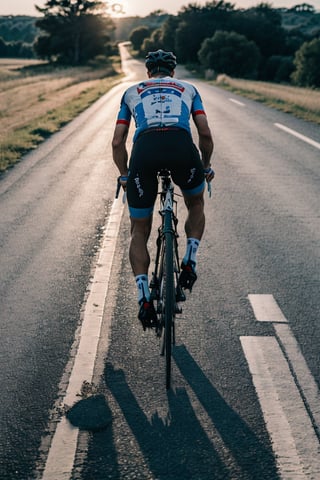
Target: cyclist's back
{"x": 160, "y": 102}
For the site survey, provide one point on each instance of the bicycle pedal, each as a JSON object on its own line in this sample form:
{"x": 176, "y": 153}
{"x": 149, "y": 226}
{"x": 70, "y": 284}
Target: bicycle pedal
{"x": 180, "y": 295}
{"x": 178, "y": 309}
{"x": 154, "y": 295}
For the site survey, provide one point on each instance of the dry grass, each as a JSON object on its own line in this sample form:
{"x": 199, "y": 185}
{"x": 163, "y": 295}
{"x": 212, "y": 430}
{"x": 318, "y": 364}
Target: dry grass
{"x": 301, "y": 102}
{"x": 26, "y": 96}
{"x": 36, "y": 101}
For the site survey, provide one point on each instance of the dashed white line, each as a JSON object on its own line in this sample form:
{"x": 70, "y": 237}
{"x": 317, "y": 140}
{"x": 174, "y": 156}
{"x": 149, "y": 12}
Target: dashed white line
{"x": 300, "y": 369}
{"x": 288, "y": 394}
{"x": 298, "y": 135}
{"x": 266, "y": 309}
{"x": 237, "y": 102}
{"x": 61, "y": 455}
{"x": 293, "y": 439}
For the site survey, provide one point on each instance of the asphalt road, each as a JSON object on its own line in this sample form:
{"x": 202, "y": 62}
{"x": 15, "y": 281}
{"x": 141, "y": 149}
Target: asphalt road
{"x": 229, "y": 414}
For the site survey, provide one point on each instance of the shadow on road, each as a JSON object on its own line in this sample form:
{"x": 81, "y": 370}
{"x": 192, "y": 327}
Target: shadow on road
{"x": 178, "y": 447}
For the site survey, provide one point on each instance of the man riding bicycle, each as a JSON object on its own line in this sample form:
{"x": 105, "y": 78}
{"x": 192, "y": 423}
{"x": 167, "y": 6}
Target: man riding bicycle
{"x": 161, "y": 107}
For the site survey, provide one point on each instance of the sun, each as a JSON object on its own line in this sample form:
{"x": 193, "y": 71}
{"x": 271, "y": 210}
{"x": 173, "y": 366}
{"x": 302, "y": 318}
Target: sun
{"x": 117, "y": 8}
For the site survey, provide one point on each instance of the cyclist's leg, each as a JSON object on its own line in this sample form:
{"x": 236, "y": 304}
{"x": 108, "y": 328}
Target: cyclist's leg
{"x": 138, "y": 251}
{"x": 188, "y": 174}
{"x": 142, "y": 188}
{"x": 141, "y": 194}
{"x": 195, "y": 222}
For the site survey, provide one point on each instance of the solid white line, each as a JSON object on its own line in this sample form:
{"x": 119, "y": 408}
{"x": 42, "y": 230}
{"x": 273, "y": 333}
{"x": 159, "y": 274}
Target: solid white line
{"x": 237, "y": 102}
{"x": 298, "y": 135}
{"x": 293, "y": 439}
{"x": 266, "y": 308}
{"x": 61, "y": 455}
{"x": 299, "y": 366}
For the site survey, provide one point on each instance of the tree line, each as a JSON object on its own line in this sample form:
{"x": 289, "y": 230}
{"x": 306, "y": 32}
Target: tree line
{"x": 217, "y": 37}
{"x": 249, "y": 43}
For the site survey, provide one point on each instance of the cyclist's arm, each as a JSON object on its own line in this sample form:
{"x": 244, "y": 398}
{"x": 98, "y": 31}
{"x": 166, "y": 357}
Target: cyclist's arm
{"x": 206, "y": 144}
{"x": 119, "y": 150}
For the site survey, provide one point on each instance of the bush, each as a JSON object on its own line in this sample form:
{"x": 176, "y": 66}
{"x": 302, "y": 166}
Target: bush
{"x": 137, "y": 37}
{"x": 307, "y": 64}
{"x": 278, "y": 69}
{"x": 230, "y": 53}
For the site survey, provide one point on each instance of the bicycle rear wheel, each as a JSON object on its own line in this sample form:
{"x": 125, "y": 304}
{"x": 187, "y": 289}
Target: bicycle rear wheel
{"x": 168, "y": 303}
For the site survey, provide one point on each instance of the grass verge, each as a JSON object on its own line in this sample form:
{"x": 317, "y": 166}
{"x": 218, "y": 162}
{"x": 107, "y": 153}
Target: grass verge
{"x": 17, "y": 142}
{"x": 303, "y": 103}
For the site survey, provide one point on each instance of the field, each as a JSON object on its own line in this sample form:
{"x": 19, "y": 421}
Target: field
{"x": 37, "y": 100}
{"x": 302, "y": 102}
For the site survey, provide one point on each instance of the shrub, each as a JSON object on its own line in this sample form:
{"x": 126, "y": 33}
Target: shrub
{"x": 230, "y": 53}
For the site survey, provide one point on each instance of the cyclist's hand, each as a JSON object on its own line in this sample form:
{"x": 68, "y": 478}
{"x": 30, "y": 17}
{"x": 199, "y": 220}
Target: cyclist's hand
{"x": 121, "y": 182}
{"x": 209, "y": 174}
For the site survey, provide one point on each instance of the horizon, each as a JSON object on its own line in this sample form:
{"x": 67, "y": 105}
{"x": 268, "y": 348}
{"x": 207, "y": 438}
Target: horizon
{"x": 124, "y": 8}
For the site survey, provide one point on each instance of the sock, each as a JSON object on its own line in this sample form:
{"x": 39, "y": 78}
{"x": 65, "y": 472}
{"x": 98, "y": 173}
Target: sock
{"x": 191, "y": 252}
{"x": 143, "y": 287}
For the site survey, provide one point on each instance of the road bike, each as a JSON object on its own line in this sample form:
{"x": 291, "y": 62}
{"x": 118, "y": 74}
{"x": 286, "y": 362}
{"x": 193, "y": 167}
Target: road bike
{"x": 164, "y": 284}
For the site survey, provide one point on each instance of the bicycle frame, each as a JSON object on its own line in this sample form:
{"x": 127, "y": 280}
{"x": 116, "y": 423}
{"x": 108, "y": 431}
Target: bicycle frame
{"x": 169, "y": 222}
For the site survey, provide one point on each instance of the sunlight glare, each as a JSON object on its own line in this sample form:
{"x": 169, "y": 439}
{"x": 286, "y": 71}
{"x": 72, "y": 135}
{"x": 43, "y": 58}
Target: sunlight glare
{"x": 117, "y": 9}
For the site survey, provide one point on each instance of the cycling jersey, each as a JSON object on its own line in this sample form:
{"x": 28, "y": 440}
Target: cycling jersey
{"x": 160, "y": 102}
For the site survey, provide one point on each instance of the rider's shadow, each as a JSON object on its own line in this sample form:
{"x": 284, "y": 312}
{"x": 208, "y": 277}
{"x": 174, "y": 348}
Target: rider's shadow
{"x": 176, "y": 448}
{"x": 179, "y": 448}
{"x": 254, "y": 459}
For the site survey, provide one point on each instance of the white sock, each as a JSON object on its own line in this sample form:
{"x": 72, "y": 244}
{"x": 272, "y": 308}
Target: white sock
{"x": 143, "y": 287}
{"x": 191, "y": 252}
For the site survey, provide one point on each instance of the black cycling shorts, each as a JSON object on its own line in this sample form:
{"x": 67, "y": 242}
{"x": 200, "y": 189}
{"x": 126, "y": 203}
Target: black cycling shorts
{"x": 154, "y": 150}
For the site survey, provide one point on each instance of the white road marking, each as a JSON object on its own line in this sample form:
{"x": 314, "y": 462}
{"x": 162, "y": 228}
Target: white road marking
{"x": 309, "y": 388}
{"x": 237, "y": 102}
{"x": 298, "y": 135}
{"x": 61, "y": 455}
{"x": 293, "y": 438}
{"x": 288, "y": 394}
{"x": 266, "y": 308}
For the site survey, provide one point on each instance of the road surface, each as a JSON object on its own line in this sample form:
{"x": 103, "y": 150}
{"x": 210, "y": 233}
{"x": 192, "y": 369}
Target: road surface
{"x": 246, "y": 374}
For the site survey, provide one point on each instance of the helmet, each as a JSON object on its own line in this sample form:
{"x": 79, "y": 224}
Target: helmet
{"x": 161, "y": 61}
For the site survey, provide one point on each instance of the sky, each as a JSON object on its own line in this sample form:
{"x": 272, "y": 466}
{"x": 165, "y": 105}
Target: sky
{"x": 142, "y": 7}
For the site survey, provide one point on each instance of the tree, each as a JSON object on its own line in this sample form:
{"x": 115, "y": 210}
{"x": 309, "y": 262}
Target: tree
{"x": 230, "y": 53}
{"x": 152, "y": 43}
{"x": 75, "y": 31}
{"x": 169, "y": 28}
{"x": 197, "y": 23}
{"x": 307, "y": 64}
{"x": 261, "y": 24}
{"x": 138, "y": 35}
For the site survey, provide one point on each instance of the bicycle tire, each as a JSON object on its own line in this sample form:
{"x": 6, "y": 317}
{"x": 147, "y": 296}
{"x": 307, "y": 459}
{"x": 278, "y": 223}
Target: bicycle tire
{"x": 169, "y": 299}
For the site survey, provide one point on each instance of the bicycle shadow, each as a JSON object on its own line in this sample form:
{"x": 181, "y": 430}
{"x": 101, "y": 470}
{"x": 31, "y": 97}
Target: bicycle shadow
{"x": 179, "y": 447}
{"x": 176, "y": 447}
{"x": 253, "y": 458}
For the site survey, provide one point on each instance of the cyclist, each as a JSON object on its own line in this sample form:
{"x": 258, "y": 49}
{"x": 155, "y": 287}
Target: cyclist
{"x": 161, "y": 107}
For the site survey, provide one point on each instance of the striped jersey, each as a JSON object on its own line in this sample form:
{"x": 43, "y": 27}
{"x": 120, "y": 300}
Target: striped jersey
{"x": 160, "y": 102}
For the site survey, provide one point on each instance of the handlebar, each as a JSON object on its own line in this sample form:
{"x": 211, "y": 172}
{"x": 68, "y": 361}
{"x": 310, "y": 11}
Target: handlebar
{"x": 166, "y": 173}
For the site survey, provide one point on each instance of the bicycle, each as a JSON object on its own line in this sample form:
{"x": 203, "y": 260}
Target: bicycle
{"x": 164, "y": 285}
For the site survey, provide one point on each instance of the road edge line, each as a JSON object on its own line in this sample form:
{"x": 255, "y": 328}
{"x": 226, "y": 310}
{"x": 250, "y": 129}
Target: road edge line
{"x": 60, "y": 459}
